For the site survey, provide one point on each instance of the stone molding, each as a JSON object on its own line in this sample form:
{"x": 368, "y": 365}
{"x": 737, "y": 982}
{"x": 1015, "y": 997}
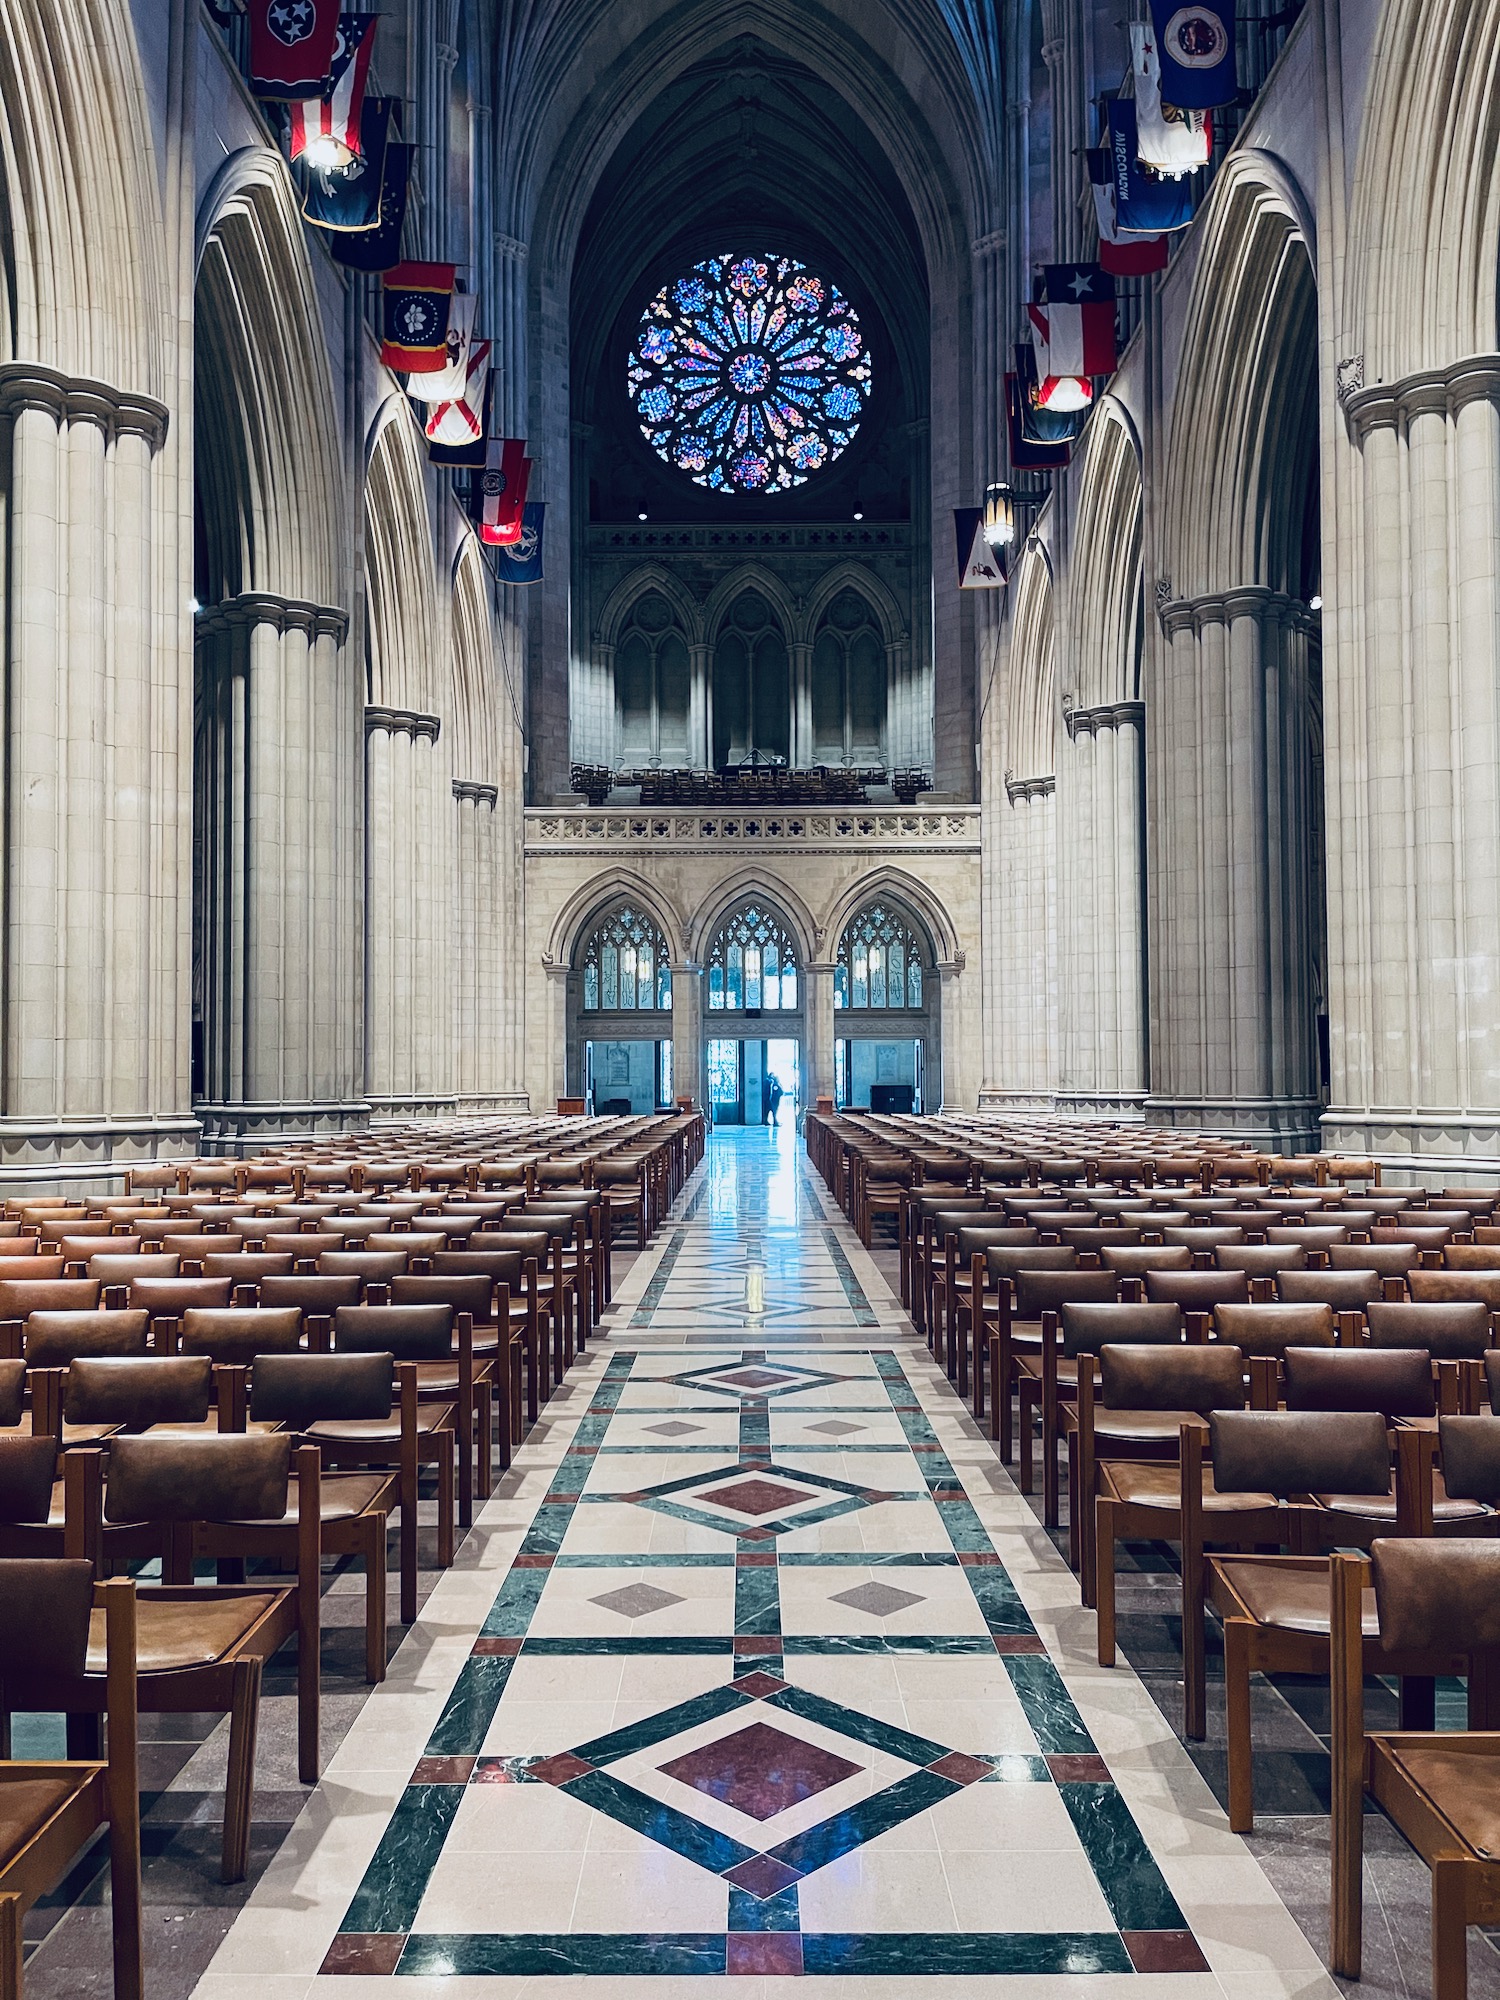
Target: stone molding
{"x": 1029, "y": 788}
{"x": 1436, "y": 391}
{"x": 1109, "y": 715}
{"x": 476, "y": 794}
{"x": 265, "y": 607}
{"x": 1223, "y": 607}
{"x": 403, "y": 722}
{"x": 28, "y": 385}
{"x": 812, "y": 830}
{"x": 511, "y": 246}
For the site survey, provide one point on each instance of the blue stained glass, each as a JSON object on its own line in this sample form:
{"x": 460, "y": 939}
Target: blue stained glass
{"x": 749, "y": 373}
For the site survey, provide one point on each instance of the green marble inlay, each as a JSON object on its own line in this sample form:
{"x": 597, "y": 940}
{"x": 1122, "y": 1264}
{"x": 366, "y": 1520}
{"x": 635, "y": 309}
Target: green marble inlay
{"x": 798, "y": 1644}
{"x": 648, "y": 1561}
{"x": 864, "y": 1821}
{"x": 608, "y": 1749}
{"x": 396, "y": 1880}
{"x": 862, "y": 1728}
{"x": 1138, "y": 1898}
{"x": 757, "y": 1601}
{"x": 515, "y": 1604}
{"x": 1055, "y": 1722}
{"x": 470, "y": 1708}
{"x": 614, "y": 1954}
{"x": 954, "y": 1954}
{"x": 776, "y": 1913}
{"x": 628, "y": 1646}
{"x": 669, "y": 1828}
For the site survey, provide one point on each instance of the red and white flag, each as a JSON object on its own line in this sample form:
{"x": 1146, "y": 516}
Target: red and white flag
{"x": 1073, "y": 333}
{"x": 291, "y": 46}
{"x": 500, "y": 492}
{"x": 451, "y": 380}
{"x": 458, "y": 423}
{"x": 327, "y": 127}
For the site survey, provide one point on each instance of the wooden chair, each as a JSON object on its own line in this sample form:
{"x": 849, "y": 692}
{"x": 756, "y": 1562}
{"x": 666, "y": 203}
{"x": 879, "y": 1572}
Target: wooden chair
{"x": 1439, "y": 1601}
{"x": 51, "y": 1812}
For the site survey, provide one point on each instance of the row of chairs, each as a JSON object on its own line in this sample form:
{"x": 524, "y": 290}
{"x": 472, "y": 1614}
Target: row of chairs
{"x": 1265, "y": 1385}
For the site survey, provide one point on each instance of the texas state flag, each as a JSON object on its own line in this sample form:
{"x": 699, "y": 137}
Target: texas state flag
{"x": 1073, "y": 332}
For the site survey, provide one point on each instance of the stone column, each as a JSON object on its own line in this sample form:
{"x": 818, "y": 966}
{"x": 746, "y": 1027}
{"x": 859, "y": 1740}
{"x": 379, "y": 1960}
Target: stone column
{"x": 408, "y": 813}
{"x": 820, "y": 1030}
{"x": 592, "y": 727}
{"x": 801, "y": 735}
{"x": 689, "y": 1050}
{"x": 945, "y": 1090}
{"x": 279, "y": 867}
{"x": 559, "y": 986}
{"x": 700, "y": 707}
{"x": 1413, "y": 758}
{"x": 95, "y": 731}
{"x": 1102, "y": 1052}
{"x": 477, "y": 922}
{"x": 1233, "y": 1036}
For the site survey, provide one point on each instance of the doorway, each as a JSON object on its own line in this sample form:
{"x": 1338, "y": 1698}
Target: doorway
{"x": 622, "y": 1079}
{"x": 739, "y": 1071}
{"x": 883, "y": 1075}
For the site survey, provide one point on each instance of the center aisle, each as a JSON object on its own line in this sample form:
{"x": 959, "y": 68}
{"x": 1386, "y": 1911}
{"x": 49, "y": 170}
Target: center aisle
{"x": 761, "y": 1668}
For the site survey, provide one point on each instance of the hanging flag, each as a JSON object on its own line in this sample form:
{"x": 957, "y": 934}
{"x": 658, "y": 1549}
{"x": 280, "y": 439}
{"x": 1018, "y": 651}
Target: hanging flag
{"x": 348, "y": 197}
{"x": 499, "y": 498}
{"x": 1195, "y": 44}
{"x": 328, "y": 128}
{"x": 414, "y": 323}
{"x": 455, "y": 429}
{"x": 1026, "y": 456}
{"x": 1039, "y": 425}
{"x": 452, "y": 378}
{"x": 522, "y": 561}
{"x": 378, "y": 247}
{"x": 1073, "y": 332}
{"x": 1169, "y": 141}
{"x": 1121, "y": 255}
{"x": 1145, "y": 204}
{"x": 979, "y": 568}
{"x": 291, "y": 46}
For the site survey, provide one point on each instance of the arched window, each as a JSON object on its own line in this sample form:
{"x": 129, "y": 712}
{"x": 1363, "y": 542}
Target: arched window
{"x": 753, "y": 963}
{"x": 651, "y": 686}
{"x": 848, "y": 684}
{"x": 625, "y": 966}
{"x": 752, "y": 690}
{"x": 879, "y": 961}
{"x": 749, "y": 374}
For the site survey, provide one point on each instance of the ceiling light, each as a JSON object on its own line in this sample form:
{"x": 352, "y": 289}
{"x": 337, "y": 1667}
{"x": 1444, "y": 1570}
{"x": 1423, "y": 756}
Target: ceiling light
{"x": 859, "y": 517}
{"x": 999, "y": 517}
{"x": 326, "y": 151}
{"x": 1315, "y": 604}
{"x": 640, "y": 517}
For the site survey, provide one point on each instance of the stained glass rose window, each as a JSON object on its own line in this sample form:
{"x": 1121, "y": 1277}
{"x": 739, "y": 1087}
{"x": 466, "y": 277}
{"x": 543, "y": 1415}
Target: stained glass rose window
{"x": 749, "y": 373}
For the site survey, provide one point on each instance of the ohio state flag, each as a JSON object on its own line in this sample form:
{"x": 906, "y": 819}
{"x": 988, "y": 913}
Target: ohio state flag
{"x": 291, "y": 46}
{"x": 499, "y": 500}
{"x": 414, "y": 324}
{"x": 335, "y": 116}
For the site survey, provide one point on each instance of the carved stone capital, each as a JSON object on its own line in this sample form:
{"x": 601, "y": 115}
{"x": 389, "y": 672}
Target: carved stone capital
{"x": 27, "y": 385}
{"x": 1030, "y": 788}
{"x": 403, "y": 722}
{"x": 512, "y": 247}
{"x": 1224, "y": 607}
{"x": 1108, "y": 715}
{"x": 265, "y": 607}
{"x": 475, "y": 794}
{"x": 1440, "y": 391}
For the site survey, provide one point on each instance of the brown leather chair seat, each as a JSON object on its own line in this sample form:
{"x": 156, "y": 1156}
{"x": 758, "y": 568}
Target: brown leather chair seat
{"x": 173, "y": 1633}
{"x": 1375, "y": 1507}
{"x": 384, "y": 1431}
{"x": 342, "y": 1496}
{"x": 26, "y": 1805}
{"x": 1291, "y": 1600}
{"x": 1158, "y": 1483}
{"x": 1464, "y": 1787}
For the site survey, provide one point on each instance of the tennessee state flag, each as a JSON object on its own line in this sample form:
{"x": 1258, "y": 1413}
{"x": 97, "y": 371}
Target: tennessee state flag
{"x": 414, "y": 324}
{"x": 499, "y": 501}
{"x": 291, "y": 46}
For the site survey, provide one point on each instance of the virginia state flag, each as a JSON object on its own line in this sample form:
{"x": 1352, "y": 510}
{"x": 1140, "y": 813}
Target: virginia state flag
{"x": 1195, "y": 46}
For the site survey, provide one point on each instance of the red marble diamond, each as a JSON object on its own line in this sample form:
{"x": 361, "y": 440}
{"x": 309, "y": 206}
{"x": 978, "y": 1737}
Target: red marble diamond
{"x": 762, "y": 1875}
{"x": 559, "y": 1769}
{"x": 760, "y": 1771}
{"x": 961, "y": 1769}
{"x": 755, "y": 1496}
{"x": 758, "y": 1684}
{"x": 755, "y": 1378}
{"x": 777, "y": 1953}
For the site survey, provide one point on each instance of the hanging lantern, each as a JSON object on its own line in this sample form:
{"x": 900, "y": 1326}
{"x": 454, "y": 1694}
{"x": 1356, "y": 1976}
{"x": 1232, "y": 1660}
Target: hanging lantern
{"x": 999, "y": 517}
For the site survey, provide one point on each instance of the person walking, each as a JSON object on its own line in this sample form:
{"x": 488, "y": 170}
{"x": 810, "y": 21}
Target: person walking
{"x": 773, "y": 1098}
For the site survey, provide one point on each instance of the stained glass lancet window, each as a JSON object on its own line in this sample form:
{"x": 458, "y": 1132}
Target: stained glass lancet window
{"x": 753, "y": 963}
{"x": 749, "y": 373}
{"x": 879, "y": 961}
{"x": 625, "y": 966}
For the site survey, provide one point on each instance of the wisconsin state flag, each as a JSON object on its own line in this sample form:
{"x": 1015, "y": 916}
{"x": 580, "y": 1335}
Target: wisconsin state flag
{"x": 414, "y": 326}
{"x": 291, "y": 46}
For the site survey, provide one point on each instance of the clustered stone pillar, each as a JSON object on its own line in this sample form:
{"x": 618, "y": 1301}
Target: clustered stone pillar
{"x": 1102, "y": 1046}
{"x": 1412, "y": 720}
{"x": 408, "y": 830}
{"x": 279, "y": 867}
{"x": 689, "y": 1048}
{"x": 478, "y": 892}
{"x": 1233, "y": 1030}
{"x": 819, "y": 1018}
{"x": 96, "y": 1039}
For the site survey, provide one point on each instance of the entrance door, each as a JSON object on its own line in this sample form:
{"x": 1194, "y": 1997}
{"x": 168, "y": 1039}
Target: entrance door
{"x": 738, "y": 1070}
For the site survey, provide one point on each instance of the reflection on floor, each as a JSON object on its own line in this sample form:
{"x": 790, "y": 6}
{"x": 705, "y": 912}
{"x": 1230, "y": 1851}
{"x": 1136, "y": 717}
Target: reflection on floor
{"x": 757, "y": 1667}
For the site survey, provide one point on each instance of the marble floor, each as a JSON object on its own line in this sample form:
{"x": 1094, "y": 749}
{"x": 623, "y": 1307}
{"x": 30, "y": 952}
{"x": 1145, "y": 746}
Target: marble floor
{"x": 758, "y": 1669}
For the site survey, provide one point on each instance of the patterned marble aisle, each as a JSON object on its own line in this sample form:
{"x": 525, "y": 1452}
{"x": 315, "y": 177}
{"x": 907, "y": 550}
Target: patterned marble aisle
{"x": 759, "y": 1669}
